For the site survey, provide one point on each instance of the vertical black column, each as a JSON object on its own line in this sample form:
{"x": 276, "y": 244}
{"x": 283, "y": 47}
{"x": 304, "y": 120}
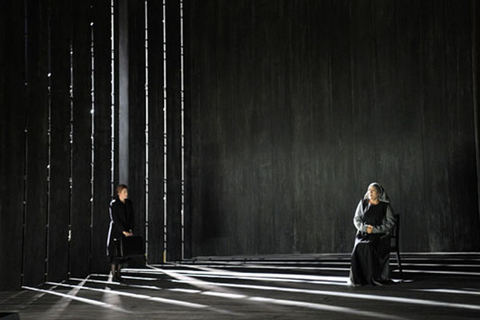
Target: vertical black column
{"x": 102, "y": 132}
{"x": 136, "y": 111}
{"x": 37, "y": 143}
{"x": 12, "y": 140}
{"x": 187, "y": 222}
{"x": 59, "y": 213}
{"x": 82, "y": 143}
{"x": 174, "y": 135}
{"x": 476, "y": 82}
{"x": 155, "y": 133}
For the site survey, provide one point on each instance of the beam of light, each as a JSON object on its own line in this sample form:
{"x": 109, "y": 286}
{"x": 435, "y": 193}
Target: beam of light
{"x": 80, "y": 299}
{"x": 290, "y": 303}
{"x": 463, "y": 273}
{"x": 354, "y": 296}
{"x": 253, "y": 266}
{"x": 62, "y": 305}
{"x": 138, "y": 296}
{"x": 267, "y": 279}
{"x": 328, "y": 279}
{"x": 235, "y": 274}
{"x": 441, "y": 265}
{"x": 126, "y": 277}
{"x": 293, "y": 267}
{"x": 477, "y": 293}
{"x": 197, "y": 283}
{"x": 311, "y": 277}
{"x": 120, "y": 284}
{"x": 224, "y": 295}
{"x": 184, "y": 290}
{"x": 324, "y": 307}
{"x": 177, "y": 275}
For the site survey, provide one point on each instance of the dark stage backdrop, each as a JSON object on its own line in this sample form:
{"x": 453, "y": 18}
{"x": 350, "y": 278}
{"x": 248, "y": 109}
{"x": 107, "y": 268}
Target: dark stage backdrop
{"x": 295, "y": 107}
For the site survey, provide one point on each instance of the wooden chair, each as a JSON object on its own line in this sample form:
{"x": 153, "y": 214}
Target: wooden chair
{"x": 394, "y": 245}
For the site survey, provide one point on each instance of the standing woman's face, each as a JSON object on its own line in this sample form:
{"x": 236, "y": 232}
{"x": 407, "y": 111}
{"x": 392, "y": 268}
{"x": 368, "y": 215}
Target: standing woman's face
{"x": 122, "y": 195}
{"x": 373, "y": 193}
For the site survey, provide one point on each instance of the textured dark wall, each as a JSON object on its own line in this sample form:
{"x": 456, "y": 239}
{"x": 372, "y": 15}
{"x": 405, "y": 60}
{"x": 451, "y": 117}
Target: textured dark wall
{"x": 56, "y": 134}
{"x": 295, "y": 106}
{"x": 52, "y": 224}
{"x": 12, "y": 141}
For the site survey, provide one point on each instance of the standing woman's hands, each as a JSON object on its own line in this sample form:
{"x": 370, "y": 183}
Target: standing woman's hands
{"x": 127, "y": 233}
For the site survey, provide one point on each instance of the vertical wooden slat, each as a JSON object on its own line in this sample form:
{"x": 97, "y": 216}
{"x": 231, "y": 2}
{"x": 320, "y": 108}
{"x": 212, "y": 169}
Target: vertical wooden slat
{"x": 174, "y": 150}
{"x": 59, "y": 213}
{"x": 37, "y": 143}
{"x": 155, "y": 133}
{"x": 81, "y": 141}
{"x": 102, "y": 133}
{"x": 12, "y": 140}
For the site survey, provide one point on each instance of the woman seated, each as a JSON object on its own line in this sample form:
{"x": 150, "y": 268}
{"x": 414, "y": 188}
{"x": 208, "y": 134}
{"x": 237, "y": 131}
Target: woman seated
{"x": 374, "y": 220}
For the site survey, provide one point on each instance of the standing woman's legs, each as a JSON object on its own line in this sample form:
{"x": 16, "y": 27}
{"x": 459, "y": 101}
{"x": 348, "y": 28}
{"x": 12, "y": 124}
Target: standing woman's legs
{"x": 118, "y": 270}
{"x": 114, "y": 271}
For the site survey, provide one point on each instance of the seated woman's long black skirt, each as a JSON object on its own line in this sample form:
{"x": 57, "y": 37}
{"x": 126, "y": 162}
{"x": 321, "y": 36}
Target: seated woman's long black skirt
{"x": 370, "y": 258}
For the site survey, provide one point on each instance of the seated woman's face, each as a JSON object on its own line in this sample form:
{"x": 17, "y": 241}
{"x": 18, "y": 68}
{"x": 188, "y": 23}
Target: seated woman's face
{"x": 372, "y": 193}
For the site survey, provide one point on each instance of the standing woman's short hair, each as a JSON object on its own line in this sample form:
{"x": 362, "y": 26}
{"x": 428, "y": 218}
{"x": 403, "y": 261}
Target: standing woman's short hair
{"x": 120, "y": 187}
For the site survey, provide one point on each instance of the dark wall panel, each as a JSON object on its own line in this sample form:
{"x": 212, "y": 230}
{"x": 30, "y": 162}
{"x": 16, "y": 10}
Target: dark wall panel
{"x": 174, "y": 132}
{"x": 137, "y": 151}
{"x": 59, "y": 213}
{"x": 296, "y": 106}
{"x": 12, "y": 141}
{"x": 410, "y": 122}
{"x": 81, "y": 142}
{"x": 155, "y": 133}
{"x": 436, "y": 175}
{"x": 475, "y": 13}
{"x": 37, "y": 143}
{"x": 102, "y": 133}
{"x": 461, "y": 143}
{"x": 343, "y": 139}
{"x": 310, "y": 56}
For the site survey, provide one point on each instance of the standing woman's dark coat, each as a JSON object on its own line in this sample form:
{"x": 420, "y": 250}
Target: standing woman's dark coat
{"x": 121, "y": 219}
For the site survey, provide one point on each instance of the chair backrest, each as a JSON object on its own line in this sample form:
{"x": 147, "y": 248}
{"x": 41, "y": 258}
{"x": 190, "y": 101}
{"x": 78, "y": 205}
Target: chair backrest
{"x": 394, "y": 235}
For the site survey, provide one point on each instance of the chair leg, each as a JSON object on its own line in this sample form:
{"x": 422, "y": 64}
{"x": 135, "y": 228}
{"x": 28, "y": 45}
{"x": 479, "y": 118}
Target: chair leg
{"x": 399, "y": 264}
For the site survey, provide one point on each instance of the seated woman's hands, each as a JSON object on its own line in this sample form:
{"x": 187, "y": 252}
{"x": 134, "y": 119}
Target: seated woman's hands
{"x": 369, "y": 229}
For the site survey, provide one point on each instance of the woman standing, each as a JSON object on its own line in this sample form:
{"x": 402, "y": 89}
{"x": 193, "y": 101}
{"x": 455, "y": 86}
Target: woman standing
{"x": 121, "y": 225}
{"x": 373, "y": 219}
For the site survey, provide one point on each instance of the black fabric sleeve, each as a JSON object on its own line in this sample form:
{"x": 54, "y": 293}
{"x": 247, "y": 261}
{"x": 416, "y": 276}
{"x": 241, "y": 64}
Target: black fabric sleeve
{"x": 131, "y": 219}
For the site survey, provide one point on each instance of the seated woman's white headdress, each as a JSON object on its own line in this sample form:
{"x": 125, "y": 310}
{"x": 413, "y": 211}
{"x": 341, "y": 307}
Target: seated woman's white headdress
{"x": 383, "y": 196}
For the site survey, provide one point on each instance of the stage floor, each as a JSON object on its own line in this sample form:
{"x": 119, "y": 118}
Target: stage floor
{"x": 435, "y": 286}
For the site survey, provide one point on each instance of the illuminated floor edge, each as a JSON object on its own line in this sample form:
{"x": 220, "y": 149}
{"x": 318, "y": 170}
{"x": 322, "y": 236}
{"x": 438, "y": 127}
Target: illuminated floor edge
{"x": 436, "y": 286}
